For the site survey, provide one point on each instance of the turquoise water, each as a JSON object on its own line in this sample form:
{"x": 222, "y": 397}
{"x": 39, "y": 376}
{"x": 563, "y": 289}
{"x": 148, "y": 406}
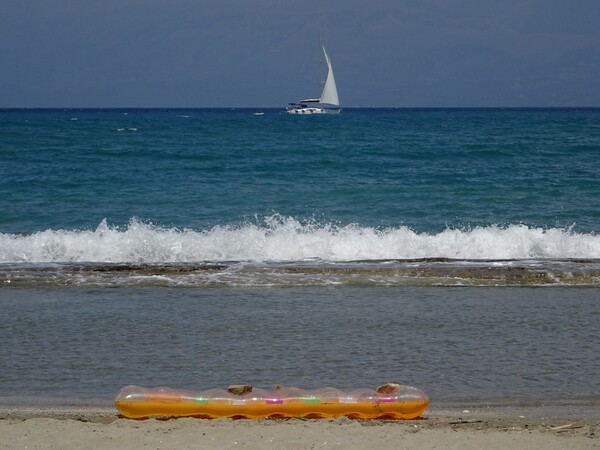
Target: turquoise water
{"x": 190, "y": 213}
{"x": 425, "y": 169}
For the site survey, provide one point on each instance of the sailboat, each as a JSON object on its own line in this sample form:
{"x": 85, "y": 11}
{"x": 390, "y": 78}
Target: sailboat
{"x": 328, "y": 103}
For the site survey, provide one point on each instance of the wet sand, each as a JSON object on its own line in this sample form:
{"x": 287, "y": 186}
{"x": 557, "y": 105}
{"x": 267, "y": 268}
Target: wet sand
{"x": 548, "y": 427}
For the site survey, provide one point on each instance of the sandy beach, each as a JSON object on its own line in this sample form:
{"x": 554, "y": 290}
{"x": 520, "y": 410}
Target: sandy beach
{"x": 501, "y": 427}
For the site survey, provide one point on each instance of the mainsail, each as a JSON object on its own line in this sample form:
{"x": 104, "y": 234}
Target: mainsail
{"x": 330, "y": 94}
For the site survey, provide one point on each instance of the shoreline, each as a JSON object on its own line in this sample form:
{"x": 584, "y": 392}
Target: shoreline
{"x": 548, "y": 426}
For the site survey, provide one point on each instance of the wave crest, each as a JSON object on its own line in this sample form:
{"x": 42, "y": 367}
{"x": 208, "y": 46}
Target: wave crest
{"x": 279, "y": 238}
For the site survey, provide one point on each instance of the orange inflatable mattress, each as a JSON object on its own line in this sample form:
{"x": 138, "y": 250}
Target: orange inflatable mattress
{"x": 391, "y": 401}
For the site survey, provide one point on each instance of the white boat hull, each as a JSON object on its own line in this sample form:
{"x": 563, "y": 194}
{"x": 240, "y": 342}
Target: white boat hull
{"x": 313, "y": 111}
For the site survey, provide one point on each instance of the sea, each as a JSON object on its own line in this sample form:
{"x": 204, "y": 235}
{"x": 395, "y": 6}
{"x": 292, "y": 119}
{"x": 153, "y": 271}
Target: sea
{"x": 455, "y": 250}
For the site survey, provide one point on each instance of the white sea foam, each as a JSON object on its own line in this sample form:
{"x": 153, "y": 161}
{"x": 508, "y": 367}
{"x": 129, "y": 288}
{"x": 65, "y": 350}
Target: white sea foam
{"x": 288, "y": 239}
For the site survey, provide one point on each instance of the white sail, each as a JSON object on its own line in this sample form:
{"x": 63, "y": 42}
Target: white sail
{"x": 330, "y": 94}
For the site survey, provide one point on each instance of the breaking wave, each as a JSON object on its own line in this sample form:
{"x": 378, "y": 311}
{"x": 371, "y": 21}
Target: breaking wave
{"x": 279, "y": 238}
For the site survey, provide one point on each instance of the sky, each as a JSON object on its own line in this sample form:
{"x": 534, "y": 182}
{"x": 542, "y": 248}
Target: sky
{"x": 266, "y": 53}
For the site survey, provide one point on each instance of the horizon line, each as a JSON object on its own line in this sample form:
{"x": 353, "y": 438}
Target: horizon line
{"x": 4, "y": 108}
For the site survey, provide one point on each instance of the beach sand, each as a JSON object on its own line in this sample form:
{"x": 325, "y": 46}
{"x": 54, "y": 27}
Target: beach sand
{"x": 557, "y": 427}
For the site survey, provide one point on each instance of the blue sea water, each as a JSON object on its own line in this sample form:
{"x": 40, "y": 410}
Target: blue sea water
{"x": 425, "y": 169}
{"x": 461, "y": 245}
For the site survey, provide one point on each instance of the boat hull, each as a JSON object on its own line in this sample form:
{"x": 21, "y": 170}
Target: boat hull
{"x": 313, "y": 111}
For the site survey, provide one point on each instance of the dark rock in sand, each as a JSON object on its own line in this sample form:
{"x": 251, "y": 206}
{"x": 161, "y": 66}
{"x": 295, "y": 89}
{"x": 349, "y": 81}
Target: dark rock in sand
{"x": 239, "y": 389}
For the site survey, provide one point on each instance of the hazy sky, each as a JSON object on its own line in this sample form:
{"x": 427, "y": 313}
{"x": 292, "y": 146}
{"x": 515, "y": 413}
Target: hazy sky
{"x": 226, "y": 53}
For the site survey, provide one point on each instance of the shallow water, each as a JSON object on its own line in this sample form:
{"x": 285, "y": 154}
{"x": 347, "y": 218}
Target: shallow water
{"x": 482, "y": 344}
